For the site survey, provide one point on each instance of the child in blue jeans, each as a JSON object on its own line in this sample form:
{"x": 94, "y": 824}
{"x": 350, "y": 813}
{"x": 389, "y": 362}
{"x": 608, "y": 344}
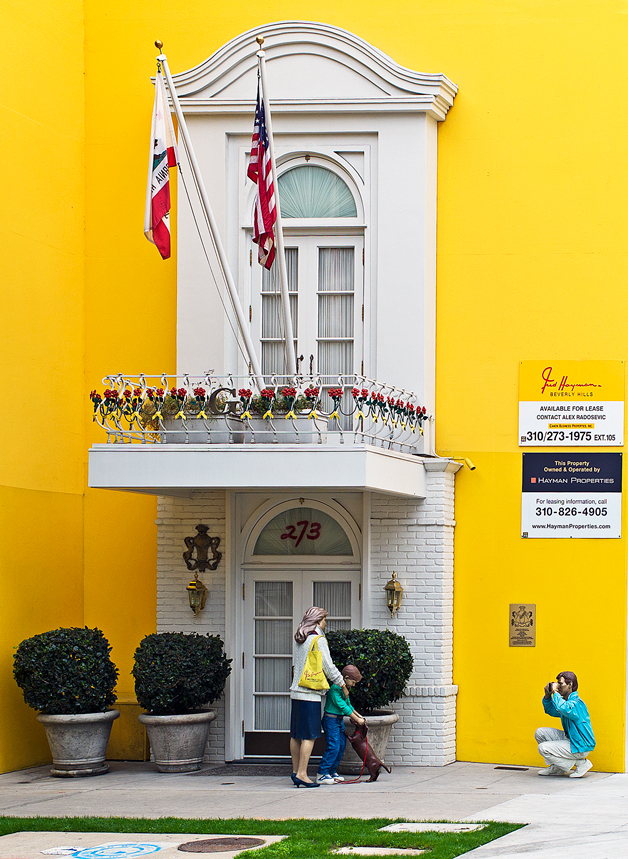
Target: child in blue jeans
{"x": 337, "y": 705}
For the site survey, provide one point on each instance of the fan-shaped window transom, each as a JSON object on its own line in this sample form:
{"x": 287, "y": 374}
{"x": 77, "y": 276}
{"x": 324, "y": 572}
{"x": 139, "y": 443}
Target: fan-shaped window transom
{"x": 303, "y": 531}
{"x": 314, "y": 192}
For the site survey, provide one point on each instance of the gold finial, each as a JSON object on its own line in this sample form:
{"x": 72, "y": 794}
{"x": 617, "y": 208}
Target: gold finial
{"x": 159, "y": 44}
{"x": 259, "y": 40}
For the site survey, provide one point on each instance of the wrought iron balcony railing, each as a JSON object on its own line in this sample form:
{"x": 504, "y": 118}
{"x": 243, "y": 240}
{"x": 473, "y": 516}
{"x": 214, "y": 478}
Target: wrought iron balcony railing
{"x": 211, "y": 409}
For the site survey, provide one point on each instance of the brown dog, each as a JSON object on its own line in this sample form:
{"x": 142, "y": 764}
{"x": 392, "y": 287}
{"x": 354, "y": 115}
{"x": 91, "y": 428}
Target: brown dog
{"x": 362, "y": 747}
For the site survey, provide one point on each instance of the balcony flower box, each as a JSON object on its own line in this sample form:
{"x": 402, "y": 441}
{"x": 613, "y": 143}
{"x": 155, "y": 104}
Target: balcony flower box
{"x": 255, "y": 429}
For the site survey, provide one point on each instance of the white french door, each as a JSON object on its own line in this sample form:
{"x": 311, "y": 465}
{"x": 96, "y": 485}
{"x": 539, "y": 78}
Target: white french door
{"x": 274, "y": 603}
{"x": 326, "y": 287}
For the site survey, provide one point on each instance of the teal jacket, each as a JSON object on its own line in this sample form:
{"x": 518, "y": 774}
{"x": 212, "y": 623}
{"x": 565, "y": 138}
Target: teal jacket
{"x": 336, "y": 704}
{"x": 575, "y": 719}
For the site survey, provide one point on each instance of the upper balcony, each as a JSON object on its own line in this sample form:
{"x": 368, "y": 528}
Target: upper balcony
{"x": 313, "y": 432}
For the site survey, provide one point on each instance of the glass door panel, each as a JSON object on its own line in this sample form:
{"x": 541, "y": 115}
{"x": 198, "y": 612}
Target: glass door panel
{"x": 272, "y": 654}
{"x": 272, "y": 328}
{"x": 336, "y": 310}
{"x": 336, "y": 598}
{"x": 326, "y": 286}
{"x": 274, "y": 603}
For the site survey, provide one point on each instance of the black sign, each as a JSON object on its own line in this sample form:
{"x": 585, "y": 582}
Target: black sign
{"x": 572, "y": 472}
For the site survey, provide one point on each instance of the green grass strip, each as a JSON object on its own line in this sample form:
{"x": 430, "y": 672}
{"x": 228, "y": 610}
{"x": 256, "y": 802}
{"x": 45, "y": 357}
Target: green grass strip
{"x": 307, "y": 838}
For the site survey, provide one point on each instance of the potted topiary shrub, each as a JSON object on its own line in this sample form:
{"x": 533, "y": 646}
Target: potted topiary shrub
{"x": 177, "y": 676}
{"x": 68, "y": 675}
{"x": 385, "y": 662}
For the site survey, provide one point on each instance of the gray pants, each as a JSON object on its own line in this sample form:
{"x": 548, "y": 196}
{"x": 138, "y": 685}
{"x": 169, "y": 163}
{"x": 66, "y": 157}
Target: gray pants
{"x": 555, "y": 748}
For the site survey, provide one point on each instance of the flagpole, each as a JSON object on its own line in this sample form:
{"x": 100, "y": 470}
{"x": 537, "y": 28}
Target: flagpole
{"x": 291, "y": 364}
{"x": 222, "y": 256}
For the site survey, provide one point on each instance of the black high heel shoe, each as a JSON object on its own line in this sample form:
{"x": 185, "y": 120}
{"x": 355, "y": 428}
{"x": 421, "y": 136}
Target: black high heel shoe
{"x": 300, "y": 783}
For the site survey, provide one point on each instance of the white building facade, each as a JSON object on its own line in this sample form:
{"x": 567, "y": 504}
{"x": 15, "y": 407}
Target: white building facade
{"x": 308, "y": 511}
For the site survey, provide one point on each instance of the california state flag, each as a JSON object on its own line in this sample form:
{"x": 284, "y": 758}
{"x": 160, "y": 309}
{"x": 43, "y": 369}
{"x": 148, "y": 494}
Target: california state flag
{"x": 163, "y": 155}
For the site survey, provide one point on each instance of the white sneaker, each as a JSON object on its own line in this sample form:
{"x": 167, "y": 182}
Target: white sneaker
{"x": 552, "y": 770}
{"x": 582, "y": 768}
{"x": 326, "y": 779}
{"x": 337, "y": 777}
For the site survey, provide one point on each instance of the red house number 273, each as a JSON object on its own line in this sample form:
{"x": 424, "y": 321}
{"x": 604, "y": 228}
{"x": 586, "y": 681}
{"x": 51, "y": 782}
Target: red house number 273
{"x": 291, "y": 531}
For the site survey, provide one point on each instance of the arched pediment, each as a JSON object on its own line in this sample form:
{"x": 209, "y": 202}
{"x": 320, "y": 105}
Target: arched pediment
{"x": 308, "y": 63}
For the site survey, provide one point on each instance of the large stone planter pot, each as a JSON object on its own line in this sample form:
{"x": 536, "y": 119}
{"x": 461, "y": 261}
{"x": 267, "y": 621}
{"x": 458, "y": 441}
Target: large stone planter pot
{"x": 379, "y": 724}
{"x": 178, "y": 742}
{"x": 79, "y": 742}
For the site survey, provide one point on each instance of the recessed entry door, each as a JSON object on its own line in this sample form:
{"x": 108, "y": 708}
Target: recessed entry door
{"x": 274, "y": 603}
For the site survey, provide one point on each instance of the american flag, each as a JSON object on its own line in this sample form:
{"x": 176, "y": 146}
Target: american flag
{"x": 259, "y": 171}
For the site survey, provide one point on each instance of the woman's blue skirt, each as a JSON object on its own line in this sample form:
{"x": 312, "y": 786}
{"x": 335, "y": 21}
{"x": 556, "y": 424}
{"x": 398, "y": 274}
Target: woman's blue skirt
{"x": 305, "y": 720}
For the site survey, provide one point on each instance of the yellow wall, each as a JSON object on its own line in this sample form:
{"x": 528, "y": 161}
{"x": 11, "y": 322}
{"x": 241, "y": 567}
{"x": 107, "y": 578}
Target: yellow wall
{"x": 41, "y": 348}
{"x": 532, "y": 258}
{"x": 532, "y": 264}
{"x": 65, "y": 297}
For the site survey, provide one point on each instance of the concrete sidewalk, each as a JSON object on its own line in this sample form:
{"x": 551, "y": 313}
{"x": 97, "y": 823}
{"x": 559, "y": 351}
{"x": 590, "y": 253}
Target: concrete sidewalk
{"x": 570, "y": 818}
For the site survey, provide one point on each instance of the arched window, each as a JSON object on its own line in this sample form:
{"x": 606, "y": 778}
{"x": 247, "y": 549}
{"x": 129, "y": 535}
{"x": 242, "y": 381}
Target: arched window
{"x": 325, "y": 262}
{"x": 303, "y": 531}
{"x": 314, "y": 192}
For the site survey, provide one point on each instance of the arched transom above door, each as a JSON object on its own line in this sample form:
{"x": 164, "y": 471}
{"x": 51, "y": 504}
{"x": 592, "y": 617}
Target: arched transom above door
{"x": 299, "y": 529}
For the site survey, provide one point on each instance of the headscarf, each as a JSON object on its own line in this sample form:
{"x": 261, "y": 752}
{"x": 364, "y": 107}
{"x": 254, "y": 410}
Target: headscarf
{"x": 352, "y": 672}
{"x": 309, "y": 622}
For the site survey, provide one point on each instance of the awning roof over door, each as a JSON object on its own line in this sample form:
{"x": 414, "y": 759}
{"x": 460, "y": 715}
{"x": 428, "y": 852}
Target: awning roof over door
{"x": 179, "y": 469}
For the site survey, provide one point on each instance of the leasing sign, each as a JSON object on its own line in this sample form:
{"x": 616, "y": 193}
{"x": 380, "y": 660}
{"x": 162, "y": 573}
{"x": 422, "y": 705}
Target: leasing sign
{"x": 571, "y": 403}
{"x": 571, "y": 494}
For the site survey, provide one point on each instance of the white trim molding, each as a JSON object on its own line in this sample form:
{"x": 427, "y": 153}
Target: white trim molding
{"x": 379, "y": 82}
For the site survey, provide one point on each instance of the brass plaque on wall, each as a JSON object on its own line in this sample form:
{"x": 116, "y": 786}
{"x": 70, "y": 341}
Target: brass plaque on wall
{"x": 522, "y": 624}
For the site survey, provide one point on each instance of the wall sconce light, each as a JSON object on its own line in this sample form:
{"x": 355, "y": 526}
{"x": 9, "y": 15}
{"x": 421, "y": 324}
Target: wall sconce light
{"x": 197, "y": 594}
{"x": 394, "y": 592}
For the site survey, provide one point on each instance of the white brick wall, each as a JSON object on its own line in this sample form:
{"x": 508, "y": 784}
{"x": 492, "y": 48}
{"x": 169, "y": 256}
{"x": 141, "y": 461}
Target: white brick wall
{"x": 415, "y": 539}
{"x": 177, "y": 519}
